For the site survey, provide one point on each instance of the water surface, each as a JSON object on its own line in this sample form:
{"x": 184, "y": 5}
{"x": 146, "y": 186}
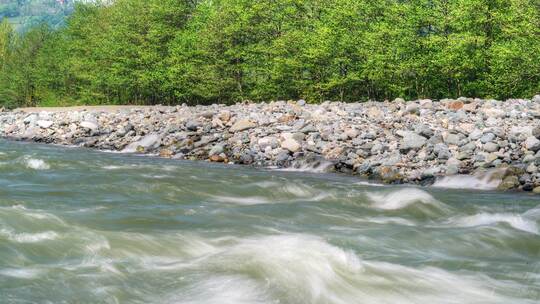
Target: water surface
{"x": 79, "y": 226}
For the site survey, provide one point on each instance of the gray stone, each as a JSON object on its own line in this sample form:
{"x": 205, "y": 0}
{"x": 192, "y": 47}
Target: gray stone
{"x": 269, "y": 141}
{"x": 536, "y": 132}
{"x": 412, "y": 141}
{"x": 192, "y": 125}
{"x": 487, "y": 138}
{"x": 532, "y": 144}
{"x": 491, "y": 147}
{"x": 442, "y": 151}
{"x": 216, "y": 150}
{"x": 452, "y": 139}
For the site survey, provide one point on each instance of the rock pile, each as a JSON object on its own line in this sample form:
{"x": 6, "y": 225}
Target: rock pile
{"x": 396, "y": 142}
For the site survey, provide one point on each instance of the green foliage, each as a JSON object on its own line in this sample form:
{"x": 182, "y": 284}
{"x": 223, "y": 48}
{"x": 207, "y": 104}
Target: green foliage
{"x": 176, "y": 51}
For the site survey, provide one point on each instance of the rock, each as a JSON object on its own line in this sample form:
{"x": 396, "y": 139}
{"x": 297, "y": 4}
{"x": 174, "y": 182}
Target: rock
{"x": 192, "y": 125}
{"x": 291, "y": 145}
{"x": 216, "y": 150}
{"x": 268, "y": 141}
{"x": 442, "y": 151}
{"x": 149, "y": 141}
{"x": 508, "y": 183}
{"x": 532, "y": 144}
{"x": 452, "y": 139}
{"x": 389, "y": 175}
{"x": 455, "y": 105}
{"x": 412, "y": 141}
{"x": 89, "y": 125}
{"x": 536, "y": 132}
{"x": 491, "y": 147}
{"x": 470, "y": 107}
{"x": 470, "y": 147}
{"x": 216, "y": 158}
{"x": 375, "y": 113}
{"x": 412, "y": 108}
{"x": 536, "y": 98}
{"x": 242, "y": 125}
{"x": 351, "y": 133}
{"x": 165, "y": 153}
{"x": 488, "y": 137}
{"x": 494, "y": 112}
{"x": 424, "y": 130}
{"x": 224, "y": 116}
{"x": 301, "y": 102}
{"x": 44, "y": 124}
{"x": 537, "y": 189}
{"x": 207, "y": 114}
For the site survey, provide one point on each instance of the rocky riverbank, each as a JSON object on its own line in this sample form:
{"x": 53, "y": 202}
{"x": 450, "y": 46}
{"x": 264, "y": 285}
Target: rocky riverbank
{"x": 396, "y": 142}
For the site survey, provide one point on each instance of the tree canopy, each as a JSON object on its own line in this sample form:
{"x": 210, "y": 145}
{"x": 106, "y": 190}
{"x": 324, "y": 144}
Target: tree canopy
{"x": 206, "y": 51}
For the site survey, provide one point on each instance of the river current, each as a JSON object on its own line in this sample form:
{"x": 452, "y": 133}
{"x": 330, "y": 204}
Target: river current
{"x": 80, "y": 226}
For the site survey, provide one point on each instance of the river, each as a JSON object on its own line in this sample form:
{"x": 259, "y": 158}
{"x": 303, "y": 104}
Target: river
{"x": 81, "y": 226}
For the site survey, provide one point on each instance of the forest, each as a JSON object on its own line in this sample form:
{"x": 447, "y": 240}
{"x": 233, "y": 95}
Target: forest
{"x": 226, "y": 51}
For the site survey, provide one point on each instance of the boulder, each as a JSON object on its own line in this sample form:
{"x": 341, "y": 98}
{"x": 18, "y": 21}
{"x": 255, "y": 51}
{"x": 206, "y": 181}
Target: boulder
{"x": 532, "y": 144}
{"x": 412, "y": 141}
{"x": 491, "y": 147}
{"x": 291, "y": 145}
{"x": 89, "y": 125}
{"x": 44, "y": 124}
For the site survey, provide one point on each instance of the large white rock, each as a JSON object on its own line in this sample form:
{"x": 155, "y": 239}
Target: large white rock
{"x": 291, "y": 145}
{"x": 89, "y": 125}
{"x": 148, "y": 141}
{"x": 44, "y": 124}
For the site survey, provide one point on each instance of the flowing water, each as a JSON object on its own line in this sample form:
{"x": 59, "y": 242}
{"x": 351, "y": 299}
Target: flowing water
{"x": 79, "y": 226}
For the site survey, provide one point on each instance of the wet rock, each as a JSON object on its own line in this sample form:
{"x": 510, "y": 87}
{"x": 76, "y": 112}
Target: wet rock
{"x": 508, "y": 183}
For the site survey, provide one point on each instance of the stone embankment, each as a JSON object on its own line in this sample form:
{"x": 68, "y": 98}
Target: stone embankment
{"x": 395, "y": 142}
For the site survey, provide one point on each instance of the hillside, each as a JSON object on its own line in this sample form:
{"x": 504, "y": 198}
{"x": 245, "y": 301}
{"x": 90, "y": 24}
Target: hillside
{"x": 25, "y": 13}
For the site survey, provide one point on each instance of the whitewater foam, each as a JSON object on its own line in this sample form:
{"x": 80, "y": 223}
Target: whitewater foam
{"x": 516, "y": 221}
{"x": 401, "y": 199}
{"x": 37, "y": 164}
{"x": 28, "y": 237}
{"x": 483, "y": 181}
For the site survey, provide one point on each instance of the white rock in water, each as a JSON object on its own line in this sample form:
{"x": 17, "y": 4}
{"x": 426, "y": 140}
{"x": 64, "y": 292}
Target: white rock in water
{"x": 291, "y": 145}
{"x": 146, "y": 142}
{"x": 89, "y": 125}
{"x": 45, "y": 124}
